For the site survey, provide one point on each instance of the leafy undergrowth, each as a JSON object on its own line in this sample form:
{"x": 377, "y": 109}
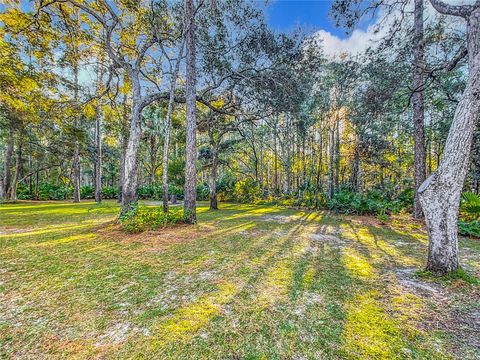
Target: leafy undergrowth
{"x": 148, "y": 218}
{"x": 248, "y": 282}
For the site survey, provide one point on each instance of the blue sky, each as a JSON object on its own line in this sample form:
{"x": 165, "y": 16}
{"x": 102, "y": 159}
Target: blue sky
{"x": 311, "y": 15}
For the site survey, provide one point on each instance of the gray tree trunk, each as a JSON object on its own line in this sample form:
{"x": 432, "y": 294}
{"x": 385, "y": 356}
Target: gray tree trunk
{"x": 7, "y": 178}
{"x": 130, "y": 184}
{"x": 76, "y": 146}
{"x": 213, "y": 179}
{"x": 76, "y": 172}
{"x": 191, "y": 121}
{"x": 98, "y": 156}
{"x": 419, "y": 168}
{"x": 168, "y": 121}
{"x": 440, "y": 193}
{"x": 18, "y": 169}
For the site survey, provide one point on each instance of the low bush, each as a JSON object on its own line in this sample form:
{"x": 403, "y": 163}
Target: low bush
{"x": 87, "y": 192}
{"x": 110, "y": 192}
{"x": 246, "y": 191}
{"x": 470, "y": 206}
{"x": 145, "y": 219}
{"x": 202, "y": 192}
{"x": 469, "y": 228}
{"x": 373, "y": 202}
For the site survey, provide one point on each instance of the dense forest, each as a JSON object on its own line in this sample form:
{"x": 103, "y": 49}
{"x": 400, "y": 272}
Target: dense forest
{"x": 202, "y": 101}
{"x": 193, "y": 179}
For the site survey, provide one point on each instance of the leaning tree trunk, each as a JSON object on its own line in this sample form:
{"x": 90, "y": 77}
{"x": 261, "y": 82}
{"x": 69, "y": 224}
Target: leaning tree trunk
{"x": 440, "y": 193}
{"x": 191, "y": 122}
{"x": 418, "y": 109}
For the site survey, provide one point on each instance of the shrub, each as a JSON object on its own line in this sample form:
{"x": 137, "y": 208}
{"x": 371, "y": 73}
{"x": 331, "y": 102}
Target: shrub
{"x": 144, "y": 219}
{"x": 469, "y": 228}
{"x": 470, "y": 206}
{"x": 50, "y": 191}
{"x": 246, "y": 191}
{"x": 346, "y": 201}
{"x": 110, "y": 192}
{"x": 23, "y": 192}
{"x": 87, "y": 192}
{"x": 151, "y": 191}
{"x": 202, "y": 192}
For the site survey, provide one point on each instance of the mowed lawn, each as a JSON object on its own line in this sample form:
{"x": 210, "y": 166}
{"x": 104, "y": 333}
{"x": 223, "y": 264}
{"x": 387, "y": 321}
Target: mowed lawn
{"x": 248, "y": 282}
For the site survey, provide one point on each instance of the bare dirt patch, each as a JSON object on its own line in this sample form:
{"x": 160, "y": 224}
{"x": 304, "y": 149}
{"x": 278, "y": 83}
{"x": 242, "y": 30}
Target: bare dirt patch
{"x": 448, "y": 311}
{"x": 282, "y": 219}
{"x": 165, "y": 236}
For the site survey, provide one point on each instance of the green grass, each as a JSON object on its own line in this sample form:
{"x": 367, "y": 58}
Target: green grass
{"x": 248, "y": 282}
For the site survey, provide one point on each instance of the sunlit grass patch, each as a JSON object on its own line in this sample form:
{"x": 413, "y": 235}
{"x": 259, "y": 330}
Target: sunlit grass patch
{"x": 357, "y": 264}
{"x": 370, "y": 333}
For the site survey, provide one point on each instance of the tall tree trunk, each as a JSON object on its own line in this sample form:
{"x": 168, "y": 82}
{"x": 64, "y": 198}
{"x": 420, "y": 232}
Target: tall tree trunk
{"x": 191, "y": 121}
{"x": 275, "y": 155}
{"x": 319, "y": 187}
{"x": 37, "y": 180}
{"x": 76, "y": 145}
{"x": 130, "y": 184}
{"x": 332, "y": 162}
{"x": 18, "y": 169}
{"x": 419, "y": 172}
{"x": 440, "y": 193}
{"x": 337, "y": 152}
{"x": 7, "y": 179}
{"x": 76, "y": 172}
{"x": 213, "y": 179}
{"x": 98, "y": 155}
{"x": 355, "y": 180}
{"x": 123, "y": 149}
{"x": 168, "y": 121}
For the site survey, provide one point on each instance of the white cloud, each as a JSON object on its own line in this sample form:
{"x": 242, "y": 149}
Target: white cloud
{"x": 360, "y": 40}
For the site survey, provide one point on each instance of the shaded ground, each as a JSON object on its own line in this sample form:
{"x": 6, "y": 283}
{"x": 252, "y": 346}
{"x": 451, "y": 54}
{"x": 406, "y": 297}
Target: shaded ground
{"x": 249, "y": 282}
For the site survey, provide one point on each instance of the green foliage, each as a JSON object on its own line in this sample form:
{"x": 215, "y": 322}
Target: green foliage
{"x": 50, "y": 191}
{"x": 226, "y": 186}
{"x": 202, "y": 192}
{"x": 87, "y": 192}
{"x": 145, "y": 219}
{"x": 110, "y": 192}
{"x": 374, "y": 202}
{"x": 246, "y": 191}
{"x": 23, "y": 192}
{"x": 150, "y": 191}
{"x": 459, "y": 274}
{"x": 470, "y": 206}
{"x": 469, "y": 228}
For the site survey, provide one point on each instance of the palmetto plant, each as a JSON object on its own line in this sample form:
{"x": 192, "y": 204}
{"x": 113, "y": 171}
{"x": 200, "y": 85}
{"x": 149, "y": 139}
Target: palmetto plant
{"x": 470, "y": 206}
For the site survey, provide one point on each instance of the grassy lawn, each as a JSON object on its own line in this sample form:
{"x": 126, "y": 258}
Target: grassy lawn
{"x": 248, "y": 282}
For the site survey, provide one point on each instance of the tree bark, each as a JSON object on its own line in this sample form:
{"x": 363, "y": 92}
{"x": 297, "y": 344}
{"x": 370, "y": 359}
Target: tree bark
{"x": 168, "y": 122}
{"x": 18, "y": 169}
{"x": 440, "y": 193}
{"x": 130, "y": 184}
{"x": 191, "y": 121}
{"x": 8, "y": 163}
{"x": 419, "y": 167}
{"x": 213, "y": 179}
{"x": 98, "y": 156}
{"x": 76, "y": 172}
{"x": 76, "y": 145}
